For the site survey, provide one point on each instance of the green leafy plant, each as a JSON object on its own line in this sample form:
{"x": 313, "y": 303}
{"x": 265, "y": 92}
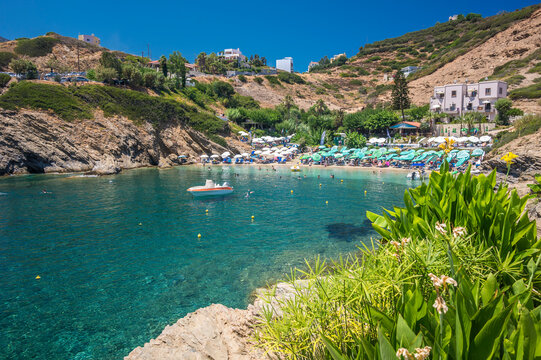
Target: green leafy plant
{"x": 536, "y": 188}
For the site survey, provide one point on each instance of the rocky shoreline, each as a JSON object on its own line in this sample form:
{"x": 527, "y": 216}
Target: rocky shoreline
{"x": 37, "y": 142}
{"x": 215, "y": 332}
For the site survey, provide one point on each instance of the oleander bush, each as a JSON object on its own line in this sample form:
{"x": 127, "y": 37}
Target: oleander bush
{"x": 273, "y": 80}
{"x": 455, "y": 274}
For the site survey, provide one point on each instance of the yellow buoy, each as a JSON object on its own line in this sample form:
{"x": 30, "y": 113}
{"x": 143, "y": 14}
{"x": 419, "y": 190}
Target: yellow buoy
{"x": 365, "y": 192}
{"x": 341, "y": 181}
{"x": 140, "y": 224}
{"x": 207, "y": 210}
{"x": 38, "y": 277}
{"x": 327, "y": 202}
{"x": 253, "y": 217}
{"x": 199, "y": 236}
{"x": 383, "y": 183}
{"x": 292, "y": 191}
{"x": 319, "y": 185}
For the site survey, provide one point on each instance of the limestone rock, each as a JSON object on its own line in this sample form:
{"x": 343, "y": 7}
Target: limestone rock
{"x": 38, "y": 142}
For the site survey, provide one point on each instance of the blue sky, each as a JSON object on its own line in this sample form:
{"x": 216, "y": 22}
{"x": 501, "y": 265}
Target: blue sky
{"x": 304, "y": 30}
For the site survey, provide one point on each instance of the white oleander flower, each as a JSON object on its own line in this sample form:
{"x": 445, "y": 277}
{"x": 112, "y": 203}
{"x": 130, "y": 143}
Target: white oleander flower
{"x": 396, "y": 244}
{"x": 441, "y": 227}
{"x": 402, "y": 352}
{"x": 440, "y": 305}
{"x": 422, "y": 354}
{"x": 405, "y": 241}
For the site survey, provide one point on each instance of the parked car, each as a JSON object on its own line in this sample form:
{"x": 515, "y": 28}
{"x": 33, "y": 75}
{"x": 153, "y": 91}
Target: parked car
{"x": 80, "y": 79}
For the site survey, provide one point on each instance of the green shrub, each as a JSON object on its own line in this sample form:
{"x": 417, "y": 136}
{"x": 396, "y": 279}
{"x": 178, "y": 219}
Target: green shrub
{"x": 4, "y": 79}
{"x": 5, "y": 59}
{"x": 525, "y": 126}
{"x": 356, "y": 82}
{"x": 106, "y": 75}
{"x": 529, "y": 92}
{"x": 218, "y": 139}
{"x": 242, "y": 78}
{"x": 273, "y": 80}
{"x": 290, "y": 78}
{"x": 258, "y": 80}
{"x": 223, "y": 89}
{"x": 39, "y": 46}
{"x": 347, "y": 75}
{"x": 535, "y": 69}
{"x": 59, "y": 99}
{"x": 515, "y": 79}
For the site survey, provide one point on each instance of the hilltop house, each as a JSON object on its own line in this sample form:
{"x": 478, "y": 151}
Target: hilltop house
{"x": 453, "y": 17}
{"x": 232, "y": 55}
{"x": 312, "y": 64}
{"x": 90, "y": 39}
{"x": 285, "y": 64}
{"x": 458, "y": 99}
{"x": 337, "y": 56}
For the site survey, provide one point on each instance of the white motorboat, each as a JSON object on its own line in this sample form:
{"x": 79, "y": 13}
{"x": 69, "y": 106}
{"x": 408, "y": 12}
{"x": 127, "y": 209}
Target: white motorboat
{"x": 295, "y": 168}
{"x": 211, "y": 189}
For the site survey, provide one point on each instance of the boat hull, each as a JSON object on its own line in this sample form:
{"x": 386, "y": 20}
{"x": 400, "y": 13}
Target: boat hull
{"x": 210, "y": 192}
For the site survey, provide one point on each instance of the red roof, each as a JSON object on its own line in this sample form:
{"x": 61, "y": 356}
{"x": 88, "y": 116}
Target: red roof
{"x": 155, "y": 62}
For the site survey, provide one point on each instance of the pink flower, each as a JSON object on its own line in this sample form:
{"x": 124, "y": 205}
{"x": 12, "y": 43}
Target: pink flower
{"x": 422, "y": 354}
{"x": 459, "y": 231}
{"x": 440, "y": 305}
{"x": 441, "y": 227}
{"x": 402, "y": 352}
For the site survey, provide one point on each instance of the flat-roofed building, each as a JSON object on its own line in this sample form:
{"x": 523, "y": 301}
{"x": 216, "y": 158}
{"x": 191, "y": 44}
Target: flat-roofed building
{"x": 90, "y": 39}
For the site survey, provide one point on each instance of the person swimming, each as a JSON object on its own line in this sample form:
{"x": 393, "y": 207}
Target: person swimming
{"x": 332, "y": 176}
{"x": 248, "y": 194}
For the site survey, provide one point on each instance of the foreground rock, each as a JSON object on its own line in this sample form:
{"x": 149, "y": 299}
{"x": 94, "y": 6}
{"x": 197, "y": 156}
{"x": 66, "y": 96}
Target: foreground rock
{"x": 37, "y": 142}
{"x": 215, "y": 332}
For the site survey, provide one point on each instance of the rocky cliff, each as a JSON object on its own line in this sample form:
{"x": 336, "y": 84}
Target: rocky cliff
{"x": 38, "y": 142}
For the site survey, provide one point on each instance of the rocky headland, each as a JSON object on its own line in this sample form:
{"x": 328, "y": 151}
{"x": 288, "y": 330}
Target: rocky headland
{"x": 39, "y": 142}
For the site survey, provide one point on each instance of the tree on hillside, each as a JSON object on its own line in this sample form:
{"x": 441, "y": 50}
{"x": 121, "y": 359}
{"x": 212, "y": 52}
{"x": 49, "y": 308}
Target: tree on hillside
{"x": 25, "y": 68}
{"x": 223, "y": 89}
{"x": 52, "y": 63}
{"x": 109, "y": 60}
{"x": 201, "y": 61}
{"x": 503, "y": 106}
{"x": 320, "y": 108}
{"x": 288, "y": 103}
{"x": 177, "y": 63}
{"x": 163, "y": 65}
{"x": 400, "y": 93}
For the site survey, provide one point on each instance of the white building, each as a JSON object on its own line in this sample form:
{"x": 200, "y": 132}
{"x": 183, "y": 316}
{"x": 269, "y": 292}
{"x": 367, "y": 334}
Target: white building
{"x": 312, "y": 64}
{"x": 232, "y": 55}
{"x": 90, "y": 39}
{"x": 285, "y": 64}
{"x": 453, "y": 17}
{"x": 458, "y": 99}
{"x": 337, "y": 56}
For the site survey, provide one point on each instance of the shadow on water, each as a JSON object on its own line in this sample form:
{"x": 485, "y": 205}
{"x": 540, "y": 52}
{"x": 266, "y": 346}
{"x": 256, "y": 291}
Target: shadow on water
{"x": 348, "y": 232}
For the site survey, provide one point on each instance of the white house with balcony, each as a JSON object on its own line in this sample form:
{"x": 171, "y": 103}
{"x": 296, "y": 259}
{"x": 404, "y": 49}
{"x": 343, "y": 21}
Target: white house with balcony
{"x": 285, "y": 64}
{"x": 459, "y": 99}
{"x": 232, "y": 55}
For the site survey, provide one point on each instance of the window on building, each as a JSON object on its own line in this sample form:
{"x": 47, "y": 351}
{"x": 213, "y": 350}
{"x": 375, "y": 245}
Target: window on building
{"x": 453, "y": 107}
{"x": 469, "y": 106}
{"x": 487, "y": 91}
{"x": 501, "y": 91}
{"x": 453, "y": 93}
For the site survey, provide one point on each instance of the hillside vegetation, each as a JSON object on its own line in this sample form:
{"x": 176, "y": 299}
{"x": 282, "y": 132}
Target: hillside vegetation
{"x": 72, "y": 103}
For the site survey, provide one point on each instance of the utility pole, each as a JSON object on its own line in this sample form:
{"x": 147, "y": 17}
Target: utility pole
{"x": 78, "y": 67}
{"x": 148, "y": 52}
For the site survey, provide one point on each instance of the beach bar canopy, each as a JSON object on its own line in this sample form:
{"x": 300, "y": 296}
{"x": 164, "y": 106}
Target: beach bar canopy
{"x": 411, "y": 125}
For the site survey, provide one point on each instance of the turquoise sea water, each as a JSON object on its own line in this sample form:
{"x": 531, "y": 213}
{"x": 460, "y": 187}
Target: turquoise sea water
{"x": 119, "y": 257}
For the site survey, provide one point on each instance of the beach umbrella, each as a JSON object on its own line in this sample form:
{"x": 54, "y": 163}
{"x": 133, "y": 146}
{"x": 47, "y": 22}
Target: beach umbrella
{"x": 473, "y": 139}
{"x": 339, "y": 156}
{"x": 322, "y": 147}
{"x": 237, "y": 156}
{"x": 225, "y": 154}
{"x": 485, "y": 138}
{"x": 478, "y": 152}
{"x": 439, "y": 140}
{"x": 245, "y": 154}
{"x": 316, "y": 157}
{"x": 204, "y": 156}
{"x": 257, "y": 152}
{"x": 214, "y": 156}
